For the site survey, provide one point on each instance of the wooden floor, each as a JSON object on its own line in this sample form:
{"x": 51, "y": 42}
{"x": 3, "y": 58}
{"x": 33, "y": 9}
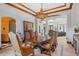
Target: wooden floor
{"x": 63, "y": 49}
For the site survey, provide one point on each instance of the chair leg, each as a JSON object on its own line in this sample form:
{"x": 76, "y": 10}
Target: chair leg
{"x": 50, "y": 53}
{"x": 33, "y": 54}
{"x": 53, "y": 48}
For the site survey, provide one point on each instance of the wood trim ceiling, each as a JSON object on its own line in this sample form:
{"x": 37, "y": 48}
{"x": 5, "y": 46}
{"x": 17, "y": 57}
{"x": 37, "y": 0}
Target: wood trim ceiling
{"x": 10, "y": 4}
{"x": 47, "y": 12}
{"x": 26, "y": 7}
{"x": 67, "y": 8}
{"x": 55, "y": 8}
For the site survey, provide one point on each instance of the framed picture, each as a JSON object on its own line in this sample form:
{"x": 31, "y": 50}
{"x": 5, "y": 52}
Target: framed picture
{"x": 27, "y": 25}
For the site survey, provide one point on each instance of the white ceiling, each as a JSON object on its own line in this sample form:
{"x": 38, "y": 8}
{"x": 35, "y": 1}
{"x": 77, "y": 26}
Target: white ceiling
{"x": 45, "y": 6}
{"x": 6, "y": 10}
{"x": 12, "y": 12}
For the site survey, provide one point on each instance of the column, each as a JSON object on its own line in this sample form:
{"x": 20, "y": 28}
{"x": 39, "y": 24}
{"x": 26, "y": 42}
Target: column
{"x": 69, "y": 29}
{"x": 47, "y": 28}
{"x": 36, "y": 25}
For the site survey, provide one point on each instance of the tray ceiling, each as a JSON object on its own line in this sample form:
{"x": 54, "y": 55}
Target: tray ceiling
{"x": 41, "y": 10}
{"x": 45, "y": 6}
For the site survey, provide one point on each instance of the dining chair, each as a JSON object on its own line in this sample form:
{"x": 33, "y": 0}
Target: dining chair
{"x": 50, "y": 43}
{"x": 34, "y": 38}
{"x": 19, "y": 49}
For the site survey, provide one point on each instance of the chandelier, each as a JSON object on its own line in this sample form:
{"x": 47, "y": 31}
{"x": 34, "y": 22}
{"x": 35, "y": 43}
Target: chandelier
{"x": 41, "y": 15}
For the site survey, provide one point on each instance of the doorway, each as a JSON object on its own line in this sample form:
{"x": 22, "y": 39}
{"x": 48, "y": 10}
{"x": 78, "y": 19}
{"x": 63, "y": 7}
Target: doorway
{"x": 12, "y": 25}
{"x": 7, "y": 24}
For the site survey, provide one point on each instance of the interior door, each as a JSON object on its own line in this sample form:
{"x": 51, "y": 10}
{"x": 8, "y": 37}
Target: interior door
{"x": 12, "y": 26}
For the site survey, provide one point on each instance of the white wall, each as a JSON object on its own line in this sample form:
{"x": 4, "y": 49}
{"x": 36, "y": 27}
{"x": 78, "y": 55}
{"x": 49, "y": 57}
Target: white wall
{"x": 57, "y": 22}
{"x": 73, "y": 21}
{"x": 19, "y": 16}
{"x": 19, "y": 24}
{"x": 69, "y": 30}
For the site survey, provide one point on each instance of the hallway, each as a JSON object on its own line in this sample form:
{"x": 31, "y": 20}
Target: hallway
{"x": 63, "y": 49}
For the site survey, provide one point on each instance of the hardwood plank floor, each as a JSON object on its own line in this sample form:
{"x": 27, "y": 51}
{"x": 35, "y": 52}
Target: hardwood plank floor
{"x": 63, "y": 49}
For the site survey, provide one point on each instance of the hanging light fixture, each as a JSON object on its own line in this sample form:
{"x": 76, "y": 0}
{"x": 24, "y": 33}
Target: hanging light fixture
{"x": 41, "y": 15}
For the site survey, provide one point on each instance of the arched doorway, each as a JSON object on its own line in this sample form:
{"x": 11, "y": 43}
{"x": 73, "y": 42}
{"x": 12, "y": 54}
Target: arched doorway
{"x": 7, "y": 24}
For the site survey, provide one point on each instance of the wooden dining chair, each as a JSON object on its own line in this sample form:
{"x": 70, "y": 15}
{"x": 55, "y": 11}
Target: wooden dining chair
{"x": 34, "y": 38}
{"x": 55, "y": 39}
{"x": 27, "y": 36}
{"x": 52, "y": 42}
{"x": 19, "y": 49}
